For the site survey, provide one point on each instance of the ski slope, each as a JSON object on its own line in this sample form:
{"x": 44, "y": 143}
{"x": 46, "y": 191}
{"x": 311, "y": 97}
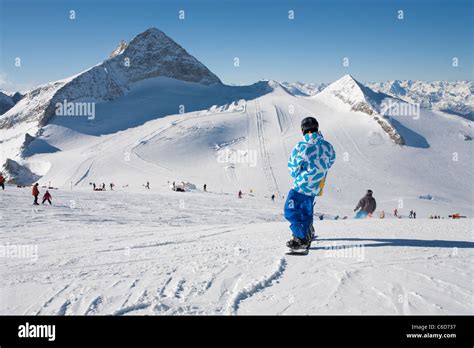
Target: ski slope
{"x": 170, "y": 119}
{"x": 244, "y": 144}
{"x": 133, "y": 252}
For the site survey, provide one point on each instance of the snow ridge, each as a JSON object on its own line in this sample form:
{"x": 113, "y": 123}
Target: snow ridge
{"x": 257, "y": 286}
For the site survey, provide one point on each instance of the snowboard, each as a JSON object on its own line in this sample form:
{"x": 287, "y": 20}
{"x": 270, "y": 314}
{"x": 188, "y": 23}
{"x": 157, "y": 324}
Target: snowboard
{"x": 297, "y": 252}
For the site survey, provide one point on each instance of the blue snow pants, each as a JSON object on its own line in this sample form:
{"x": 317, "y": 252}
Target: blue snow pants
{"x": 299, "y": 212}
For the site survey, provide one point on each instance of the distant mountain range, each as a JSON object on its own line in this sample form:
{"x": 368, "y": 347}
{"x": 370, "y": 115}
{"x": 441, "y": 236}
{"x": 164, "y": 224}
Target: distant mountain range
{"x": 454, "y": 97}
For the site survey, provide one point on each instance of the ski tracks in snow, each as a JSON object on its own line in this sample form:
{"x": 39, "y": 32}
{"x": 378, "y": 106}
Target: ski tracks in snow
{"x": 257, "y": 286}
{"x": 265, "y": 156}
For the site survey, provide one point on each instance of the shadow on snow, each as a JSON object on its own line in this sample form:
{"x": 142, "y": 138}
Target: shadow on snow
{"x": 401, "y": 243}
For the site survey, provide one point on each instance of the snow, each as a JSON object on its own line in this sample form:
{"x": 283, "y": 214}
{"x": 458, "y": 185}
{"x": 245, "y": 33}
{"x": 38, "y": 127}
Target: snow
{"x": 455, "y": 97}
{"x": 351, "y": 92}
{"x": 210, "y": 253}
{"x": 132, "y": 141}
{"x": 149, "y": 55}
{"x": 304, "y": 89}
{"x": 135, "y": 251}
{"x": 140, "y": 251}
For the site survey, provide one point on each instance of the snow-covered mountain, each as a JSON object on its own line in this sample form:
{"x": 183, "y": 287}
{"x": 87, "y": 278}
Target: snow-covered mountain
{"x": 455, "y": 97}
{"x": 353, "y": 93}
{"x": 354, "y": 96}
{"x": 150, "y": 54}
{"x": 304, "y": 89}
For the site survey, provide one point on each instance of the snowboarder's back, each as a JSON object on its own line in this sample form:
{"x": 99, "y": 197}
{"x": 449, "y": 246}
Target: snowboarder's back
{"x": 367, "y": 206}
{"x": 308, "y": 164}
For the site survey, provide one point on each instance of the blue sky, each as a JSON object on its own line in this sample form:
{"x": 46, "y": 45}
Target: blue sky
{"x": 309, "y": 48}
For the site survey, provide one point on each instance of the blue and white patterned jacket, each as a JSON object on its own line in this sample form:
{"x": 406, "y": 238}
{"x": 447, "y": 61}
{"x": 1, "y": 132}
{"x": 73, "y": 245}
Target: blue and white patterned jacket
{"x": 309, "y": 163}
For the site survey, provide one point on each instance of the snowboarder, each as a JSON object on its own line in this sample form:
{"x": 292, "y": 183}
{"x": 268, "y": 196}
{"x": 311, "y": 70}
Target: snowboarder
{"x": 147, "y": 185}
{"x": 240, "y": 193}
{"x": 410, "y": 216}
{"x": 395, "y": 212}
{"x": 273, "y": 198}
{"x": 35, "y": 192}
{"x": 414, "y": 214}
{"x": 103, "y": 186}
{"x": 111, "y": 186}
{"x": 308, "y": 164}
{"x": 47, "y": 197}
{"x": 94, "y": 186}
{"x": 2, "y": 181}
{"x": 205, "y": 188}
{"x": 366, "y": 205}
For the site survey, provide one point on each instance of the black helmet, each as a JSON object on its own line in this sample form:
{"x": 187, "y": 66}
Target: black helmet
{"x": 309, "y": 124}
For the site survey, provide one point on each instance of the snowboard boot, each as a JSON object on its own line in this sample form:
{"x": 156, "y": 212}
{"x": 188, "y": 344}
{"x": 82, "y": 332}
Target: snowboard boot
{"x": 311, "y": 233}
{"x": 297, "y": 243}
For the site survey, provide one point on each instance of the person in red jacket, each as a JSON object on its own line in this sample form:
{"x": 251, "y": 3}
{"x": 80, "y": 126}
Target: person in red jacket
{"x": 35, "y": 192}
{"x": 47, "y": 197}
{"x": 2, "y": 181}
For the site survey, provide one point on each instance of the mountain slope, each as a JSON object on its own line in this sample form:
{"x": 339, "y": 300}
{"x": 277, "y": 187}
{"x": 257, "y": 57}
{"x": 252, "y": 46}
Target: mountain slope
{"x": 150, "y": 54}
{"x": 245, "y": 145}
{"x": 350, "y": 94}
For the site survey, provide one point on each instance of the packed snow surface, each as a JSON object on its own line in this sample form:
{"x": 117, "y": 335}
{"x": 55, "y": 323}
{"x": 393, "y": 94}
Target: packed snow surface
{"x": 139, "y": 251}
